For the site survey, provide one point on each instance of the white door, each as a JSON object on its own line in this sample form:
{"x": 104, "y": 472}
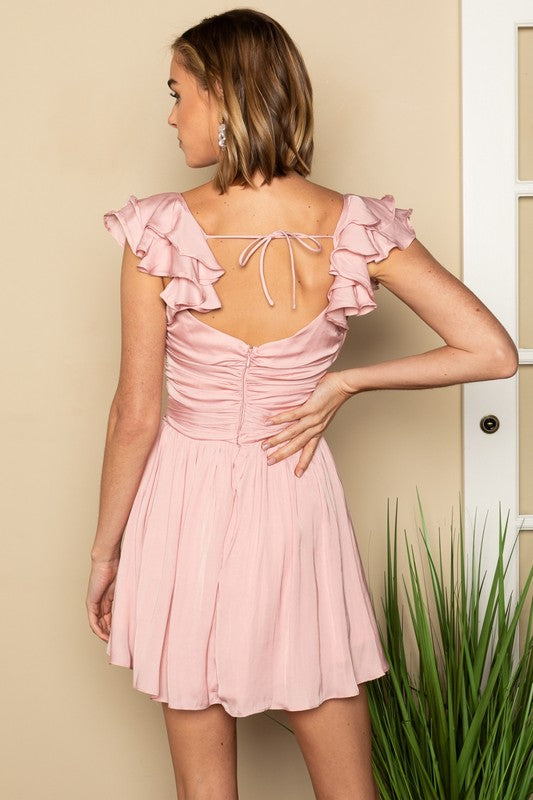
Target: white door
{"x": 497, "y": 106}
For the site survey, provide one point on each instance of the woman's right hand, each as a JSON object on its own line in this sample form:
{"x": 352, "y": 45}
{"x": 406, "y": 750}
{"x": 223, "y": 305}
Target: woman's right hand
{"x": 100, "y": 593}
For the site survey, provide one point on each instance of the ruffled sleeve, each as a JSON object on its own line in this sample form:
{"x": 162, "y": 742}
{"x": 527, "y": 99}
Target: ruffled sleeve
{"x": 129, "y": 222}
{"x": 368, "y": 230}
{"x": 386, "y": 226}
{"x": 168, "y": 243}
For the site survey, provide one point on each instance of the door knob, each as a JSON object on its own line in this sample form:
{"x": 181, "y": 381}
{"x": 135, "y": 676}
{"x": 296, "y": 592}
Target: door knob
{"x": 489, "y": 424}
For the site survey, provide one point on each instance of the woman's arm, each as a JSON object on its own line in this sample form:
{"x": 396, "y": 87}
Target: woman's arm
{"x": 135, "y": 413}
{"x": 477, "y": 346}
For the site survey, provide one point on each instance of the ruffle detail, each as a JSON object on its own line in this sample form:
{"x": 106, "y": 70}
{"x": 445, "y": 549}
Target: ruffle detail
{"x": 368, "y": 230}
{"x": 386, "y": 226}
{"x": 161, "y": 230}
{"x": 162, "y": 233}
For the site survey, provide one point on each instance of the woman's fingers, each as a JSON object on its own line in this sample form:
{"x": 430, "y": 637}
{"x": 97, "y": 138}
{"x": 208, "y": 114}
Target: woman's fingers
{"x": 95, "y": 623}
{"x": 99, "y": 599}
{"x": 311, "y": 422}
{"x": 296, "y": 443}
{"x": 286, "y": 416}
{"x": 306, "y": 456}
{"x": 287, "y": 433}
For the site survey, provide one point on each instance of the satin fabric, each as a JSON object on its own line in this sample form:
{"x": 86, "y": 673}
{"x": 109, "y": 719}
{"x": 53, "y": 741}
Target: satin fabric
{"x": 238, "y": 582}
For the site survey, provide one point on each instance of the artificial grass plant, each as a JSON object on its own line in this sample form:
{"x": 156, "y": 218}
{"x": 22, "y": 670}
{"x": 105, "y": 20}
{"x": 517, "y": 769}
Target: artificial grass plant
{"x": 459, "y": 725}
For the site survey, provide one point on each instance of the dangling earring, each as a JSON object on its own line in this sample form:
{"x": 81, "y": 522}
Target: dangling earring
{"x": 222, "y": 135}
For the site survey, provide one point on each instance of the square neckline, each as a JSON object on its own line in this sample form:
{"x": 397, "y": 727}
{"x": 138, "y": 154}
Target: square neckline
{"x": 300, "y": 331}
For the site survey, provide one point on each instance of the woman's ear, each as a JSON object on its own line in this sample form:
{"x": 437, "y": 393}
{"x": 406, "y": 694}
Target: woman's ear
{"x": 219, "y": 91}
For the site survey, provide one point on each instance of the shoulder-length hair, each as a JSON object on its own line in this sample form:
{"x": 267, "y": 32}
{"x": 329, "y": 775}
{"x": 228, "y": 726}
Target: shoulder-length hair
{"x": 267, "y": 94}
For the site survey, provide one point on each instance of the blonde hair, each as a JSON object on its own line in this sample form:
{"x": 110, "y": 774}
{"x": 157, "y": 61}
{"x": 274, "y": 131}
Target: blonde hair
{"x": 267, "y": 93}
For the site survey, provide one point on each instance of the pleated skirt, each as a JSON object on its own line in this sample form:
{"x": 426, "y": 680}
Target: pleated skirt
{"x": 241, "y": 584}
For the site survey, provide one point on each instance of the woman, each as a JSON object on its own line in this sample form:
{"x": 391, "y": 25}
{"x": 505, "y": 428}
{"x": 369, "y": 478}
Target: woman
{"x": 226, "y": 577}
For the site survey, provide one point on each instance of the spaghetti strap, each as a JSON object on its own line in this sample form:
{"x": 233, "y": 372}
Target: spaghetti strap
{"x": 262, "y": 241}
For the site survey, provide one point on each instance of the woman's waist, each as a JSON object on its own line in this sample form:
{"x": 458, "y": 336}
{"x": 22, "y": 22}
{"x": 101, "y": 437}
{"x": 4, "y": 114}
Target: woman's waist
{"x": 238, "y": 419}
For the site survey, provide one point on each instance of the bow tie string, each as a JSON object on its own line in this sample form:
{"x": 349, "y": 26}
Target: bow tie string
{"x": 263, "y": 242}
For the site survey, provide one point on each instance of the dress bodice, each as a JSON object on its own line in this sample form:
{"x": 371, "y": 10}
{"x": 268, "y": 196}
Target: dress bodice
{"x": 220, "y": 387}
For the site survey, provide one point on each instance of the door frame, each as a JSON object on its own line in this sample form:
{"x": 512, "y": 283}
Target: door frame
{"x": 490, "y": 193}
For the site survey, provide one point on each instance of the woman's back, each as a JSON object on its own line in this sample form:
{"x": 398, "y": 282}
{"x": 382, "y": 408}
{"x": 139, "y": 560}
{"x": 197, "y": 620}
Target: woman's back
{"x": 293, "y": 205}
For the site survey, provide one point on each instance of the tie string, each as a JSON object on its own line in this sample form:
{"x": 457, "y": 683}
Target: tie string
{"x": 263, "y": 242}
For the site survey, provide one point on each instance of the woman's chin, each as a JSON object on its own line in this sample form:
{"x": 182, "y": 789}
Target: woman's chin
{"x": 198, "y": 163}
{"x": 191, "y": 161}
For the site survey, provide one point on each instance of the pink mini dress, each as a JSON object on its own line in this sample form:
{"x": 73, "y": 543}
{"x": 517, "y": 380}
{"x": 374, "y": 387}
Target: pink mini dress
{"x": 238, "y": 582}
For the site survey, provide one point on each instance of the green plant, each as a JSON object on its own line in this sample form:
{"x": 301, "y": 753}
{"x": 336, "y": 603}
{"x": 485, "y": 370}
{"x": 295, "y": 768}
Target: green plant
{"x": 460, "y": 726}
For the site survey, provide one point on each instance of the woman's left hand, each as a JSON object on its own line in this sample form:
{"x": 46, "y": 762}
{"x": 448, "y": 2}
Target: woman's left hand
{"x": 309, "y": 421}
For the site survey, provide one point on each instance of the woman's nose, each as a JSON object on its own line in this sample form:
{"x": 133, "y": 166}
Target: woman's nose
{"x": 172, "y": 119}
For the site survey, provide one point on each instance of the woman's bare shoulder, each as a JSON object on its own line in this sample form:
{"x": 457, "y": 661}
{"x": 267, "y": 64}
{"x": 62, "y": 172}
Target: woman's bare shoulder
{"x": 324, "y": 193}
{"x": 324, "y": 206}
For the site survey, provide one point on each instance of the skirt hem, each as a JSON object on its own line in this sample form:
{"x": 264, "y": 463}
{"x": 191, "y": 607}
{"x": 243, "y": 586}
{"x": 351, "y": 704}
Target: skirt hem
{"x": 230, "y": 709}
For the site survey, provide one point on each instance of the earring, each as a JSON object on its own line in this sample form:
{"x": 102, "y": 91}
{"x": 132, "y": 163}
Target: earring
{"x": 222, "y": 135}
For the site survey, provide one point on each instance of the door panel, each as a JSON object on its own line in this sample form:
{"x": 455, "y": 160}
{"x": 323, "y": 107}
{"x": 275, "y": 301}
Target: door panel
{"x": 525, "y": 441}
{"x": 525, "y": 102}
{"x": 525, "y": 267}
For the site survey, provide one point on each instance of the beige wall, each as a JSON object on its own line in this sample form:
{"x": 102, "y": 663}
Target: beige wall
{"x": 85, "y": 127}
